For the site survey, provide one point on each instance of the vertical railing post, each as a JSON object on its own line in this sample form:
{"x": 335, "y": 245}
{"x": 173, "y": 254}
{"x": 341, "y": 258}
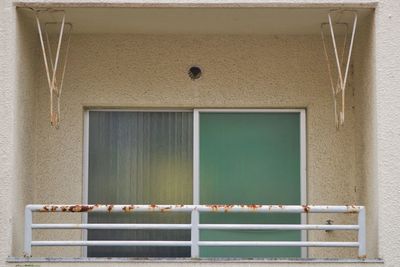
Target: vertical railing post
{"x": 195, "y": 234}
{"x": 28, "y": 232}
{"x": 362, "y": 239}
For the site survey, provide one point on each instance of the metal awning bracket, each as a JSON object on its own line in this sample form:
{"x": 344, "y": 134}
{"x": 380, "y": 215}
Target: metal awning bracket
{"x": 55, "y": 54}
{"x": 339, "y": 63}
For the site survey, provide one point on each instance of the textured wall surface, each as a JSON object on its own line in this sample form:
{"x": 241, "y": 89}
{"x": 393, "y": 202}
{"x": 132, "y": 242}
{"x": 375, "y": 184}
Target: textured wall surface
{"x": 151, "y": 75}
{"x": 194, "y": 3}
{"x": 388, "y": 128}
{"x": 239, "y": 71}
{"x": 365, "y": 110}
{"x": 27, "y": 62}
{"x": 17, "y": 96}
{"x": 7, "y": 114}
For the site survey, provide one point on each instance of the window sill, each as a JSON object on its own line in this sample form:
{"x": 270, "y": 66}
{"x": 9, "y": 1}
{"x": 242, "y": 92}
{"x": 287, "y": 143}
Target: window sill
{"x": 186, "y": 261}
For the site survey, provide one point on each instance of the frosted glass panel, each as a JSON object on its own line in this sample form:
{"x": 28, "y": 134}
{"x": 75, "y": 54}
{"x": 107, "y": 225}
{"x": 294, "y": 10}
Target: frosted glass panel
{"x": 250, "y": 158}
{"x": 140, "y": 158}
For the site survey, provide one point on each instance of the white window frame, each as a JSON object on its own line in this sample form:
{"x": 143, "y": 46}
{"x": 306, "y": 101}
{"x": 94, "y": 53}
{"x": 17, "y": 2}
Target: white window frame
{"x": 303, "y": 156}
{"x": 196, "y": 155}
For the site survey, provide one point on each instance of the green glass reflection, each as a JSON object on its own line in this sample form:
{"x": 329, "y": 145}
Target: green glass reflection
{"x": 250, "y": 158}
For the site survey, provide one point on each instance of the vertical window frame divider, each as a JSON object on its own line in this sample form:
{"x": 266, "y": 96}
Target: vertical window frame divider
{"x": 85, "y": 175}
{"x": 195, "y": 216}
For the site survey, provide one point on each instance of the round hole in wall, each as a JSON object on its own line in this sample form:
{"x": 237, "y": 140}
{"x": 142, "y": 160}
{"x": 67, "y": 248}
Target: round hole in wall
{"x": 194, "y": 72}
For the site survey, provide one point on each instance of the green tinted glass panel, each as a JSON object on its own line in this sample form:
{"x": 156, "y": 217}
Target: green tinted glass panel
{"x": 250, "y": 158}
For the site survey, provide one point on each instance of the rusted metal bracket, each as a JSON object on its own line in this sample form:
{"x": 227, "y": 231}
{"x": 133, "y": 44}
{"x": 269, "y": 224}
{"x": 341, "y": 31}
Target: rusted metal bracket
{"x": 55, "y": 58}
{"x": 338, "y": 74}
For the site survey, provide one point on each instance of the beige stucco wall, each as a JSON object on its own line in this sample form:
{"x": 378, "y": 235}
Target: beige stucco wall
{"x": 239, "y": 71}
{"x": 365, "y": 110}
{"x": 380, "y": 162}
{"x": 27, "y": 65}
{"x": 6, "y": 127}
{"x": 388, "y": 128}
{"x": 17, "y": 125}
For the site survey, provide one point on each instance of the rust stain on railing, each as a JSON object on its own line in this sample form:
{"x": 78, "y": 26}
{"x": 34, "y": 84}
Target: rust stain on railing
{"x": 215, "y": 208}
{"x": 73, "y": 208}
{"x": 110, "y": 207}
{"x": 128, "y": 208}
{"x": 306, "y": 208}
{"x": 253, "y": 206}
{"x": 352, "y": 209}
{"x": 166, "y": 208}
{"x": 229, "y": 207}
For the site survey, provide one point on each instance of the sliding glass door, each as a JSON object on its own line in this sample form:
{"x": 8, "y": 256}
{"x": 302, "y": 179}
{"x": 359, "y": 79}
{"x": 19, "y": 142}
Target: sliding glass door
{"x": 245, "y": 159}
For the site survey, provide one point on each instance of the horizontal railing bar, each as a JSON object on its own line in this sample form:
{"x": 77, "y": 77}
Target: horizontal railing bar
{"x": 200, "y": 208}
{"x": 113, "y": 243}
{"x": 116, "y": 226}
{"x": 110, "y": 208}
{"x": 279, "y": 208}
{"x": 126, "y": 226}
{"x": 277, "y": 227}
{"x": 196, "y": 209}
{"x": 201, "y": 243}
{"x": 276, "y": 244}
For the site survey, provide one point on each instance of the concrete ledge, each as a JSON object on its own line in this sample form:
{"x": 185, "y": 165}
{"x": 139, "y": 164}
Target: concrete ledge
{"x": 198, "y": 3}
{"x": 186, "y": 261}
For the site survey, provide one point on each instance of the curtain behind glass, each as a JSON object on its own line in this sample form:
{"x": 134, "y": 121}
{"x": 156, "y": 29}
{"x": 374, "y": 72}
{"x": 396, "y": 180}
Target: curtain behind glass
{"x": 140, "y": 158}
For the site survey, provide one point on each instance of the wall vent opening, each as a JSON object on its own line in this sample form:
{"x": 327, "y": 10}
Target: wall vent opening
{"x": 194, "y": 72}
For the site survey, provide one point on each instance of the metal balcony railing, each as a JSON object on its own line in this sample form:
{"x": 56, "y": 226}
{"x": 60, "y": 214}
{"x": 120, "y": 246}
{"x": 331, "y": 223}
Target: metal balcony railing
{"x": 195, "y": 225}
